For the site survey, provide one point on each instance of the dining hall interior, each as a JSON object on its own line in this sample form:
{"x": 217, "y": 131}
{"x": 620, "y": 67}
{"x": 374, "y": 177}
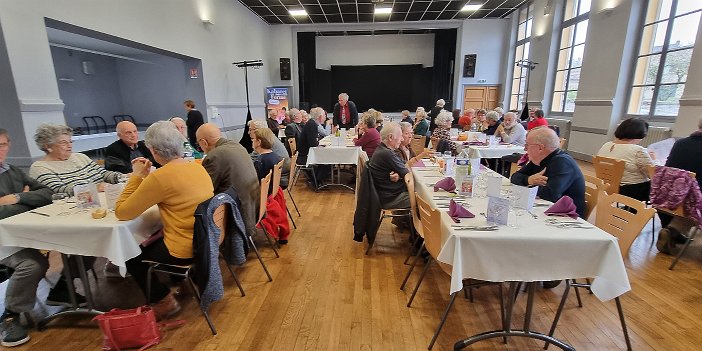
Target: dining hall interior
{"x": 588, "y": 65}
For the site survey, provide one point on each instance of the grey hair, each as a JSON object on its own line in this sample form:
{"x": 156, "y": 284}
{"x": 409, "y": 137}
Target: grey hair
{"x": 546, "y": 137}
{"x": 344, "y": 96}
{"x": 272, "y": 114}
{"x": 405, "y": 125}
{"x": 164, "y": 139}
{"x": 258, "y": 123}
{"x": 405, "y": 112}
{"x": 293, "y": 111}
{"x": 369, "y": 120}
{"x": 493, "y": 116}
{"x": 317, "y": 112}
{"x": 421, "y": 113}
{"x": 440, "y": 102}
{"x": 443, "y": 117}
{"x": 3, "y": 131}
{"x": 510, "y": 114}
{"x": 499, "y": 110}
{"x": 47, "y": 133}
{"x": 388, "y": 130}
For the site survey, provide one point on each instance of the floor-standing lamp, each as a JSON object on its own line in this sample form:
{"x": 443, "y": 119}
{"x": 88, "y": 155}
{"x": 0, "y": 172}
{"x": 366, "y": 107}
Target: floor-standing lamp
{"x": 245, "y": 140}
{"x": 530, "y": 65}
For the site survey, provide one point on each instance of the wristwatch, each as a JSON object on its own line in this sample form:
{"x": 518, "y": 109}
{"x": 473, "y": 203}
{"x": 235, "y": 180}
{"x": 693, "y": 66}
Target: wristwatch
{"x": 17, "y": 197}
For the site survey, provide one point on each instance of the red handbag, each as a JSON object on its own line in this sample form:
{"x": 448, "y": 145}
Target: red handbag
{"x": 124, "y": 329}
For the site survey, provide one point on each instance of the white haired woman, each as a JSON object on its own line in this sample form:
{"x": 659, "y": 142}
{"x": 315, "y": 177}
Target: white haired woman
{"x": 177, "y": 188}
{"x": 405, "y": 150}
{"x": 493, "y": 121}
{"x": 421, "y": 125}
{"x": 61, "y": 169}
{"x": 441, "y": 134}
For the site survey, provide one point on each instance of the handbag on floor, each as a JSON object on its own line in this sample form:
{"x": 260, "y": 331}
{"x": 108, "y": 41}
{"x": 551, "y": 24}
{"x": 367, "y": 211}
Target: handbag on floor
{"x": 123, "y": 329}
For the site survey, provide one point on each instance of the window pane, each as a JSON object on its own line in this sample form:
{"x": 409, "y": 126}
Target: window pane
{"x": 517, "y": 72}
{"x": 519, "y": 53}
{"x": 528, "y": 27}
{"x": 561, "y": 80}
{"x": 684, "y": 31}
{"x": 569, "y": 9}
{"x": 557, "y": 104}
{"x": 584, "y": 6}
{"x": 531, "y": 10}
{"x": 570, "y": 101}
{"x": 676, "y": 65}
{"x": 580, "y": 32}
{"x": 574, "y": 79}
{"x": 567, "y": 36}
{"x": 522, "y": 15}
{"x": 563, "y": 59}
{"x": 640, "y": 103}
{"x": 526, "y": 51}
{"x": 578, "y": 53}
{"x": 668, "y": 101}
{"x": 658, "y": 10}
{"x": 513, "y": 102}
{"x": 521, "y": 31}
{"x": 515, "y": 86}
{"x": 685, "y": 6}
{"x": 646, "y": 69}
{"x": 653, "y": 38}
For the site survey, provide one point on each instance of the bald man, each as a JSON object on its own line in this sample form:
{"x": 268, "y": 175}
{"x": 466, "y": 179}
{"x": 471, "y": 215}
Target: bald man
{"x": 180, "y": 125}
{"x": 229, "y": 165}
{"x": 119, "y": 155}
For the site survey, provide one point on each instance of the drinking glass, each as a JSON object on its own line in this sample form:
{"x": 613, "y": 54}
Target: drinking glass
{"x": 60, "y": 200}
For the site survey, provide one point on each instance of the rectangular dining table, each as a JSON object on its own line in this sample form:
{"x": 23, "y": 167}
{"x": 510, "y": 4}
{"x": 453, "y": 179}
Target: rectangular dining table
{"x": 534, "y": 251}
{"x": 328, "y": 153}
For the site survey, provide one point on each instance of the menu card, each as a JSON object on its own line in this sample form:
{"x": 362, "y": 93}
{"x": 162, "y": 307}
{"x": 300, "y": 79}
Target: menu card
{"x": 86, "y": 195}
{"x": 112, "y": 192}
{"x": 494, "y": 185}
{"x": 498, "y": 210}
{"x": 524, "y": 196}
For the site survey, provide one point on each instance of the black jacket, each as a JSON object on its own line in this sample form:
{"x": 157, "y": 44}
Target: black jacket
{"x": 195, "y": 120}
{"x": 686, "y": 154}
{"x": 353, "y": 111}
{"x": 117, "y": 156}
{"x": 432, "y": 116}
{"x": 366, "y": 219}
{"x": 308, "y": 138}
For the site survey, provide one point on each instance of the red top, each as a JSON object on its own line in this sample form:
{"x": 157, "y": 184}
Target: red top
{"x": 369, "y": 141}
{"x": 537, "y": 122}
{"x": 464, "y": 121}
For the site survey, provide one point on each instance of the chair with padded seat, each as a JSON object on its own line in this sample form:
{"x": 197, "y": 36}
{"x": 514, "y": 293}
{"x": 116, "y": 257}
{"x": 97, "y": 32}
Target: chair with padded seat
{"x": 626, "y": 227}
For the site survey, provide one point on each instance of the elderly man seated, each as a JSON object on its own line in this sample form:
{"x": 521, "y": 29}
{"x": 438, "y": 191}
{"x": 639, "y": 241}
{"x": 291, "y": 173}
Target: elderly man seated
{"x": 388, "y": 169}
{"x": 553, "y": 170}
{"x": 180, "y": 125}
{"x": 311, "y": 134}
{"x": 119, "y": 155}
{"x": 20, "y": 193}
{"x": 511, "y": 131}
{"x": 229, "y": 165}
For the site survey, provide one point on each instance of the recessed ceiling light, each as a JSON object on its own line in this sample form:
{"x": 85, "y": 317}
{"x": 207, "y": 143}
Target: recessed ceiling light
{"x": 471, "y": 7}
{"x": 383, "y": 10}
{"x": 301, "y": 12}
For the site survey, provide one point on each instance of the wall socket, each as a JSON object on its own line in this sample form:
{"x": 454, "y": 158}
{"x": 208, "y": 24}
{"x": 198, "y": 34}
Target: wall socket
{"x": 482, "y": 80}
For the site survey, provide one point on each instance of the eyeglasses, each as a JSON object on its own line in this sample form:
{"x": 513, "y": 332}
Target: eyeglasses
{"x": 64, "y": 142}
{"x": 4, "y": 145}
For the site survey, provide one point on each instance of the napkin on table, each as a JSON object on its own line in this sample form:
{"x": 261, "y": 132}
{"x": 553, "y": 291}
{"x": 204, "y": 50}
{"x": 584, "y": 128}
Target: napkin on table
{"x": 563, "y": 207}
{"x": 447, "y": 184}
{"x": 419, "y": 164}
{"x": 458, "y": 211}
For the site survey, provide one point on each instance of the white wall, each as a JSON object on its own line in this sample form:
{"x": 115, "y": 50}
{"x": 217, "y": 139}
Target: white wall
{"x": 488, "y": 39}
{"x": 357, "y": 50}
{"x": 173, "y": 25}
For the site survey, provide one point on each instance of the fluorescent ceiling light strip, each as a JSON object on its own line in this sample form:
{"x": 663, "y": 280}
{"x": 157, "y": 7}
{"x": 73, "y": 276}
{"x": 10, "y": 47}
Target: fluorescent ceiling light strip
{"x": 298, "y": 12}
{"x": 383, "y": 10}
{"x": 471, "y": 7}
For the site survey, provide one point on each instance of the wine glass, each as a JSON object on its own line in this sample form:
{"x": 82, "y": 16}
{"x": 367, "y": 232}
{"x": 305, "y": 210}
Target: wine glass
{"x": 60, "y": 199}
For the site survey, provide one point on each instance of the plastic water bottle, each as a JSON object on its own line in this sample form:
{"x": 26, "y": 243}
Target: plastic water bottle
{"x": 464, "y": 178}
{"x": 188, "y": 150}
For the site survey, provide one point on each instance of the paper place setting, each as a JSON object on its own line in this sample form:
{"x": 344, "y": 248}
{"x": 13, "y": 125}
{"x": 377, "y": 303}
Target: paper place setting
{"x": 481, "y": 228}
{"x": 565, "y": 224}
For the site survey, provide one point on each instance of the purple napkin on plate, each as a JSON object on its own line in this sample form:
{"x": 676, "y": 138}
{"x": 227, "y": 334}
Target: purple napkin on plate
{"x": 458, "y": 211}
{"x": 563, "y": 207}
{"x": 419, "y": 164}
{"x": 447, "y": 184}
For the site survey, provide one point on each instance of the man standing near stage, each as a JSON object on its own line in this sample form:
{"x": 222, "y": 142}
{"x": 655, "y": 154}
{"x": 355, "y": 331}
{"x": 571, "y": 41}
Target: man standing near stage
{"x": 345, "y": 113}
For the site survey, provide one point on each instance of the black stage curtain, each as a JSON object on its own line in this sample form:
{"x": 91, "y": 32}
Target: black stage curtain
{"x": 306, "y": 64}
{"x": 322, "y": 94}
{"x": 444, "y": 54}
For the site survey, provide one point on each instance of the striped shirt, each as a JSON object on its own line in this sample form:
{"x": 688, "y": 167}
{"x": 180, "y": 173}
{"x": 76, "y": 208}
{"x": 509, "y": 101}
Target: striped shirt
{"x": 62, "y": 176}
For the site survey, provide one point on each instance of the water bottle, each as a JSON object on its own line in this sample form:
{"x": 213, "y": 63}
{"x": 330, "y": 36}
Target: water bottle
{"x": 464, "y": 178}
{"x": 188, "y": 150}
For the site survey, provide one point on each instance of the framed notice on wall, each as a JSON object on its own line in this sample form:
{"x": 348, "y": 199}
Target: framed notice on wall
{"x": 277, "y": 99}
{"x": 469, "y": 65}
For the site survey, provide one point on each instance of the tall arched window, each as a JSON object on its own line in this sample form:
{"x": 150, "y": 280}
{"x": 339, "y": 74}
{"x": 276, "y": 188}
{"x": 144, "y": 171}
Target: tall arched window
{"x": 521, "y": 52}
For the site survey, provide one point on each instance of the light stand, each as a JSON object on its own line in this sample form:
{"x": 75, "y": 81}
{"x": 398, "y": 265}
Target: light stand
{"x": 530, "y": 65}
{"x": 245, "y": 140}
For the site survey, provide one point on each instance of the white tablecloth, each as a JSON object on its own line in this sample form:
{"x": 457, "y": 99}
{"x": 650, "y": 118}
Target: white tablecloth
{"x": 532, "y": 252}
{"x": 327, "y": 154}
{"x": 79, "y": 233}
{"x": 493, "y": 151}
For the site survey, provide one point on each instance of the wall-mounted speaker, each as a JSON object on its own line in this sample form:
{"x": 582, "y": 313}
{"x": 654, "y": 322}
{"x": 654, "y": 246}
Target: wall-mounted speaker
{"x": 469, "y": 65}
{"x": 285, "y": 68}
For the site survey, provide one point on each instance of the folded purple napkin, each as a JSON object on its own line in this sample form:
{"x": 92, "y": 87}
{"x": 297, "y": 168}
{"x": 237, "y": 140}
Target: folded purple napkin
{"x": 419, "y": 164}
{"x": 563, "y": 207}
{"x": 458, "y": 211}
{"x": 447, "y": 184}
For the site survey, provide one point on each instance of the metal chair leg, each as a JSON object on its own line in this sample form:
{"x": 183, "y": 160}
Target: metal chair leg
{"x": 236, "y": 278}
{"x": 419, "y": 282}
{"x": 691, "y": 237}
{"x": 290, "y": 216}
{"x": 204, "y": 312}
{"x": 293, "y": 201}
{"x": 621, "y": 319}
{"x": 149, "y": 274}
{"x": 414, "y": 243}
{"x": 559, "y": 311}
{"x": 443, "y": 320}
{"x": 270, "y": 241}
{"x": 258, "y": 255}
{"x": 577, "y": 294}
{"x": 414, "y": 263}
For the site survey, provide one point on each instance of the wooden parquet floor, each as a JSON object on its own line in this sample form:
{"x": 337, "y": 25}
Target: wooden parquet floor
{"x": 327, "y": 295}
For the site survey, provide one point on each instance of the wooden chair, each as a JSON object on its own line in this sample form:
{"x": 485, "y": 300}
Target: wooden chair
{"x": 593, "y": 187}
{"x": 293, "y": 163}
{"x": 416, "y": 225}
{"x": 293, "y": 145}
{"x": 610, "y": 170}
{"x": 625, "y": 226}
{"x": 417, "y": 144}
{"x": 678, "y": 212}
{"x": 185, "y": 271}
{"x": 277, "y": 175}
{"x": 297, "y": 168}
{"x": 390, "y": 213}
{"x": 431, "y": 228}
{"x": 265, "y": 184}
{"x": 562, "y": 143}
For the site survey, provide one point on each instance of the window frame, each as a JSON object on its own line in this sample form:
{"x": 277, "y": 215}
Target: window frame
{"x": 573, "y": 21}
{"x": 530, "y": 8}
{"x": 665, "y": 50}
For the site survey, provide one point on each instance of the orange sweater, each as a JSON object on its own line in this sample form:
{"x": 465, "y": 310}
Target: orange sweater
{"x": 177, "y": 188}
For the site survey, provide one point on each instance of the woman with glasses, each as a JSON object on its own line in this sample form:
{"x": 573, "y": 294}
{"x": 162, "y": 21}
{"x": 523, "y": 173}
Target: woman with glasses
{"x": 62, "y": 169}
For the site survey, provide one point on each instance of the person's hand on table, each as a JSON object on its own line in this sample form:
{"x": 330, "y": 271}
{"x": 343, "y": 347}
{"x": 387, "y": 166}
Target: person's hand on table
{"x": 9, "y": 199}
{"x": 101, "y": 187}
{"x": 394, "y": 177}
{"x": 25, "y": 189}
{"x": 500, "y": 130}
{"x": 538, "y": 178}
{"x": 424, "y": 154}
{"x": 141, "y": 167}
